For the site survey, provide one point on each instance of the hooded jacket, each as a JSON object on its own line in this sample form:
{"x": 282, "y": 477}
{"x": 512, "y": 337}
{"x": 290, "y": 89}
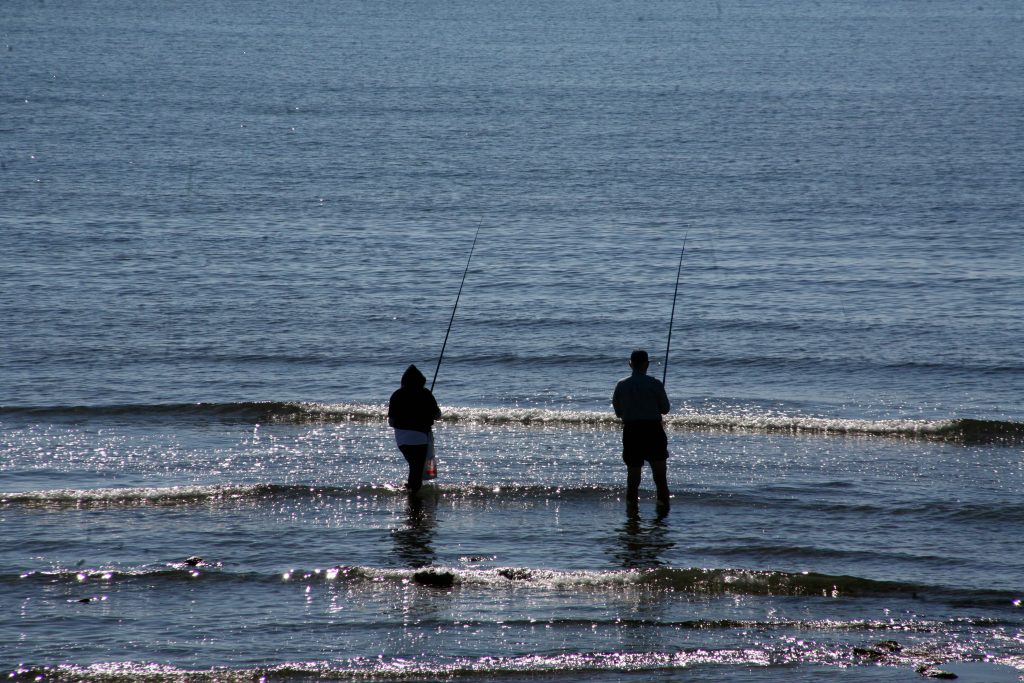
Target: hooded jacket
{"x": 413, "y": 406}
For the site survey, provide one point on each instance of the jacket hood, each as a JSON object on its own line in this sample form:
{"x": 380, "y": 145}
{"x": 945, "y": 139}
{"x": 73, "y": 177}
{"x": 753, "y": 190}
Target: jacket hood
{"x": 412, "y": 377}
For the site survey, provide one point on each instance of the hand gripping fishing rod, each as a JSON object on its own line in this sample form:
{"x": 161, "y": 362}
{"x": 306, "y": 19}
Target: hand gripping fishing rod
{"x": 455, "y": 308}
{"x": 672, "y": 318}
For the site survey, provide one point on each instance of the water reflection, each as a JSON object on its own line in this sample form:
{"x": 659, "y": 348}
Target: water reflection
{"x": 641, "y": 543}
{"x": 413, "y": 541}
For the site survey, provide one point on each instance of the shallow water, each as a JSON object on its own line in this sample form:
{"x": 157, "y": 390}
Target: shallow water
{"x": 308, "y": 560}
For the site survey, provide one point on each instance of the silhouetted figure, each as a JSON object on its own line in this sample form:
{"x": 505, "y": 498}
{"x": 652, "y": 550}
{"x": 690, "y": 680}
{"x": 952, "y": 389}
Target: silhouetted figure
{"x": 412, "y": 411}
{"x": 640, "y": 401}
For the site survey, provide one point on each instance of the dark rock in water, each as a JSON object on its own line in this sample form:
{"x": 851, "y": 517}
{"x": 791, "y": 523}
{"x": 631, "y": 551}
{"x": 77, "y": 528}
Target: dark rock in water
{"x": 195, "y": 561}
{"x": 879, "y": 650}
{"x": 516, "y": 574}
{"x": 929, "y": 671}
{"x": 90, "y": 599}
{"x": 436, "y": 579}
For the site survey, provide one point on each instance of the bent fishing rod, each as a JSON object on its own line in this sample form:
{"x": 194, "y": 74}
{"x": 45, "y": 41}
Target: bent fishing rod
{"x": 456, "y": 307}
{"x": 672, "y": 318}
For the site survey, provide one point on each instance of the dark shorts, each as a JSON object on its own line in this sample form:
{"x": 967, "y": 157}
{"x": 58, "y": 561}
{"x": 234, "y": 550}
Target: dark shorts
{"x": 643, "y": 440}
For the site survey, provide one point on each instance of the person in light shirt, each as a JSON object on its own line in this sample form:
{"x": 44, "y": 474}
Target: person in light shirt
{"x": 411, "y": 412}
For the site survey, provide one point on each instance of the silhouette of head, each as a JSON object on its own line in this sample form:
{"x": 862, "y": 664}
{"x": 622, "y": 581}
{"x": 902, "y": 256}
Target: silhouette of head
{"x": 638, "y": 360}
{"x": 412, "y": 377}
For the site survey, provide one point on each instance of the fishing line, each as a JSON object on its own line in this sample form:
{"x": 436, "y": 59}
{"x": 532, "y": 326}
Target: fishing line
{"x": 456, "y": 307}
{"x": 664, "y": 374}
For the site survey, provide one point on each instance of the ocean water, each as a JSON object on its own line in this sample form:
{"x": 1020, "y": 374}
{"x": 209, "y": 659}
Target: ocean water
{"x": 227, "y": 228}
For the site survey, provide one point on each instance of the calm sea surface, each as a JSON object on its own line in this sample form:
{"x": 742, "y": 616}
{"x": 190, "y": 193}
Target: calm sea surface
{"x": 227, "y": 228}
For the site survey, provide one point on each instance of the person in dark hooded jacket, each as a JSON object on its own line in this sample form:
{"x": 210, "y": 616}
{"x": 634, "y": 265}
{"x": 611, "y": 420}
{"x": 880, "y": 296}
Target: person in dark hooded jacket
{"x": 411, "y": 412}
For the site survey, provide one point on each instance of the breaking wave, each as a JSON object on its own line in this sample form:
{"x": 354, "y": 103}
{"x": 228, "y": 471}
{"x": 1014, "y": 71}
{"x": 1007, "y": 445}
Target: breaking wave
{"x": 961, "y": 430}
{"x": 996, "y": 512}
{"x": 565, "y": 665}
{"x": 470, "y": 576}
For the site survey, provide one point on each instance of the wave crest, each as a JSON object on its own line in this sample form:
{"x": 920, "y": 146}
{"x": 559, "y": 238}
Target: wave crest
{"x": 688, "y": 580}
{"x": 961, "y": 430}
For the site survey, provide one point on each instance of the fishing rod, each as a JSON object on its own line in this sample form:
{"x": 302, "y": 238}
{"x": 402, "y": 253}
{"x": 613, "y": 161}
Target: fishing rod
{"x": 456, "y": 307}
{"x": 664, "y": 374}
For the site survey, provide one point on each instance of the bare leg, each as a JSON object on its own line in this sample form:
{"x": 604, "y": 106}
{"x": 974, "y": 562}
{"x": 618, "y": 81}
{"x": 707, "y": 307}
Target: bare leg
{"x": 633, "y": 475}
{"x": 659, "y": 469}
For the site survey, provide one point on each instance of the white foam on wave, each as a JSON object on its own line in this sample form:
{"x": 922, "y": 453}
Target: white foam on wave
{"x": 807, "y": 425}
{"x": 596, "y": 419}
{"x": 130, "y": 495}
